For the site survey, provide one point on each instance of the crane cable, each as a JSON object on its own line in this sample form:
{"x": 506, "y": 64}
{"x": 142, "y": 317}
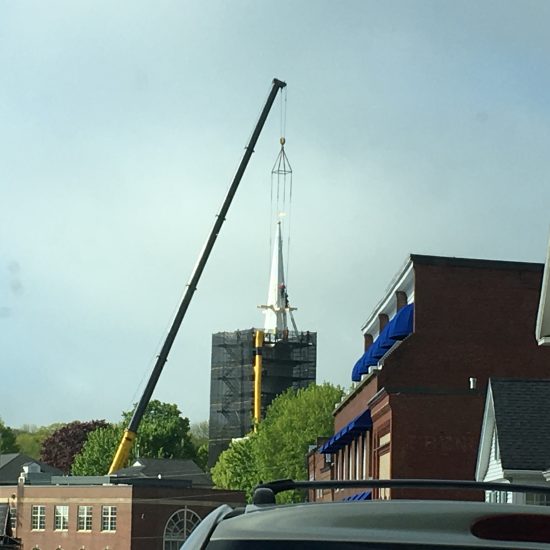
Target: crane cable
{"x": 282, "y": 173}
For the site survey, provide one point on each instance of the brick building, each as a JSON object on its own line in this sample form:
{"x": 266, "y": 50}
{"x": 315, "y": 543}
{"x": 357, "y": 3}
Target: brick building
{"x": 445, "y": 326}
{"x": 78, "y": 513}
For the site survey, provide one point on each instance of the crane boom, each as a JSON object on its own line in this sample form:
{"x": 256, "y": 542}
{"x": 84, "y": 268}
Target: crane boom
{"x": 125, "y": 446}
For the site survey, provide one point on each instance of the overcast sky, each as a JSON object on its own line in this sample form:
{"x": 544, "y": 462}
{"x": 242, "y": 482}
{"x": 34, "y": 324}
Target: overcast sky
{"x": 412, "y": 127}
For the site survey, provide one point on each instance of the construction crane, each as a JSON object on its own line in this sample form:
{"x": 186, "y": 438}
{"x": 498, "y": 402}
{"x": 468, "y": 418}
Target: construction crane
{"x": 123, "y": 452}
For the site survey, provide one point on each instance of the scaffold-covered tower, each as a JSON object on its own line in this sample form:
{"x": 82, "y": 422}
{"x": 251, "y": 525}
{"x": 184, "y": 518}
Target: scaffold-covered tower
{"x": 251, "y": 367}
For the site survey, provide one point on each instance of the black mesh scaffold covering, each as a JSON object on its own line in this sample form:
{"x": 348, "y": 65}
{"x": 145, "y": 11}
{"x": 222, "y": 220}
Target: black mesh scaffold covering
{"x": 289, "y": 361}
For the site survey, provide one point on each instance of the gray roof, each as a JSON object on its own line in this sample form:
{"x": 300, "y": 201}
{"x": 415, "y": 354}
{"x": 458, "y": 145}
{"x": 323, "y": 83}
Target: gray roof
{"x": 11, "y": 466}
{"x": 166, "y": 468}
{"x": 522, "y": 416}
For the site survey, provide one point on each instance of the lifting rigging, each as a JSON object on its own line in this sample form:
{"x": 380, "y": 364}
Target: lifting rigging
{"x": 278, "y": 306}
{"x": 123, "y": 452}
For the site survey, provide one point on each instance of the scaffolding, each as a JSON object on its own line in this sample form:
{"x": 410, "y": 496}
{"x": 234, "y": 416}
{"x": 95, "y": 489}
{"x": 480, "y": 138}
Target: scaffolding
{"x": 289, "y": 361}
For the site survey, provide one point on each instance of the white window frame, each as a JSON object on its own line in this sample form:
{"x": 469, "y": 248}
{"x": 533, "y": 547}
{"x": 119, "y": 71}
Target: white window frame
{"x": 108, "y": 519}
{"x": 13, "y": 517}
{"x": 61, "y": 517}
{"x": 84, "y": 520}
{"x": 499, "y": 497}
{"x": 38, "y": 517}
{"x": 178, "y": 527}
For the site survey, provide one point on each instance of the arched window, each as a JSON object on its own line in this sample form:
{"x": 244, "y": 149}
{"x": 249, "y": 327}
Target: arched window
{"x": 179, "y": 527}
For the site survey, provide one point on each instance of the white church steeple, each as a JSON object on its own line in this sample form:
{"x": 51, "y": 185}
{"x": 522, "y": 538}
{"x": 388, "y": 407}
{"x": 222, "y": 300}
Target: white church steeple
{"x": 277, "y": 307}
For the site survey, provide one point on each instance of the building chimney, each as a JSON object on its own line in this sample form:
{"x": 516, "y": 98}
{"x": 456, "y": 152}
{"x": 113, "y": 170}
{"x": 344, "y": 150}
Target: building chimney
{"x": 401, "y": 299}
{"x": 368, "y": 340}
{"x": 382, "y": 321}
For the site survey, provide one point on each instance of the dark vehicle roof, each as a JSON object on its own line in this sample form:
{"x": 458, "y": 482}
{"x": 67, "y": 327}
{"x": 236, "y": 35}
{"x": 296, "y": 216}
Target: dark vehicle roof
{"x": 381, "y": 524}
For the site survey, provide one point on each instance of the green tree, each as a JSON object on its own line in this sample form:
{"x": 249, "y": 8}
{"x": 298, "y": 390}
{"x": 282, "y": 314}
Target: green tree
{"x": 163, "y": 433}
{"x": 199, "y": 433}
{"x": 8, "y": 442}
{"x": 199, "y": 439}
{"x": 201, "y": 456}
{"x": 293, "y": 421}
{"x": 61, "y": 447}
{"x": 236, "y": 467}
{"x": 278, "y": 449}
{"x": 98, "y": 451}
{"x": 30, "y": 437}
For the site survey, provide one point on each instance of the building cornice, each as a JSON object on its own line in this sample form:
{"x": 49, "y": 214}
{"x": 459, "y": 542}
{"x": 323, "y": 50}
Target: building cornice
{"x": 354, "y": 391}
{"x": 404, "y": 281}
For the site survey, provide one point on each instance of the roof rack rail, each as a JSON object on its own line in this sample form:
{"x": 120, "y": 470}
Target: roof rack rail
{"x": 265, "y": 493}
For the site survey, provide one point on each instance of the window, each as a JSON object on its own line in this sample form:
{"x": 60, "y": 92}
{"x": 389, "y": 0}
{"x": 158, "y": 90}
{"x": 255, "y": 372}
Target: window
{"x": 84, "y": 518}
{"x": 384, "y": 462}
{"x": 537, "y": 498}
{"x": 61, "y": 518}
{"x": 179, "y": 527}
{"x": 384, "y": 465}
{"x": 500, "y": 497}
{"x": 108, "y": 518}
{"x": 38, "y": 518}
{"x": 357, "y": 446}
{"x": 347, "y": 463}
{"x": 13, "y": 517}
{"x": 366, "y": 451}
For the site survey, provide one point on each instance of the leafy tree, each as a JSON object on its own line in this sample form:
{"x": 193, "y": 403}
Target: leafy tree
{"x": 293, "y": 421}
{"x": 163, "y": 433}
{"x": 60, "y": 448}
{"x": 199, "y": 433}
{"x": 201, "y": 456}
{"x": 98, "y": 451}
{"x": 236, "y": 467}
{"x": 8, "y": 443}
{"x": 30, "y": 437}
{"x": 278, "y": 450}
{"x": 199, "y": 438}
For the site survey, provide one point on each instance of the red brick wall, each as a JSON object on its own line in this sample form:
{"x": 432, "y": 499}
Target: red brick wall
{"x": 49, "y": 496}
{"x": 318, "y": 469}
{"x": 142, "y": 513}
{"x": 469, "y": 322}
{"x": 356, "y": 404}
{"x": 153, "y": 507}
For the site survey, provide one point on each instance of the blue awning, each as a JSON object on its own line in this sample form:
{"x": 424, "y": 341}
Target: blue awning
{"x": 402, "y": 323}
{"x": 398, "y": 328}
{"x": 348, "y": 433}
{"x": 365, "y": 495}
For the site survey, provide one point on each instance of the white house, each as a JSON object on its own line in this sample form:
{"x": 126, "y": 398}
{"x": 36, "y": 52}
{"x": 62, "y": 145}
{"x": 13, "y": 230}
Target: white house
{"x": 515, "y": 437}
